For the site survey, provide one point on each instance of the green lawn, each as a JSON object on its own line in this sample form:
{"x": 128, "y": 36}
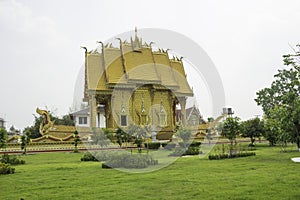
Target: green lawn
{"x": 268, "y": 175}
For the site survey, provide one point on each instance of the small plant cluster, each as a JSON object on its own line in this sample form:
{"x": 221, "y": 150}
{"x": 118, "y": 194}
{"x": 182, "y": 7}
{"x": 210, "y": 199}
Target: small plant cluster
{"x": 6, "y": 169}
{"x": 185, "y": 149}
{"x": 11, "y": 159}
{"x": 129, "y": 161}
{"x": 225, "y": 156}
{"x": 6, "y": 161}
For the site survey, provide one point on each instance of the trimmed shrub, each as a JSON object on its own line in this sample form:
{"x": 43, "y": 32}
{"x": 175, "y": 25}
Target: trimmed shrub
{"x": 181, "y": 144}
{"x": 152, "y": 145}
{"x": 192, "y": 151}
{"x": 217, "y": 156}
{"x": 163, "y": 144}
{"x": 178, "y": 152}
{"x": 192, "y": 144}
{"x": 88, "y": 157}
{"x": 104, "y": 166}
{"x": 189, "y": 151}
{"x": 245, "y": 154}
{"x": 11, "y": 159}
{"x": 129, "y": 161}
{"x": 6, "y": 169}
{"x": 104, "y": 155}
{"x": 167, "y": 145}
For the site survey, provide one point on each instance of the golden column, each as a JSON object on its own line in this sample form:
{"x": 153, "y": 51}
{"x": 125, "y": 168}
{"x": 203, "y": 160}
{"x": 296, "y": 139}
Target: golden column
{"x": 85, "y": 96}
{"x": 93, "y": 110}
{"x": 182, "y": 102}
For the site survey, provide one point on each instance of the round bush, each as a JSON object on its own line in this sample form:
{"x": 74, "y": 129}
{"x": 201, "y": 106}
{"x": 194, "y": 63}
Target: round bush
{"x": 88, "y": 157}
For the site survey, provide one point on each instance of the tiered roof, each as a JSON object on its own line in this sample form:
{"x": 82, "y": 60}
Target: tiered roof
{"x": 134, "y": 64}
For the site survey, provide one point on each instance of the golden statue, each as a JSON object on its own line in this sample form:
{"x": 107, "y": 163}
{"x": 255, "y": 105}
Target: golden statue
{"x": 47, "y": 124}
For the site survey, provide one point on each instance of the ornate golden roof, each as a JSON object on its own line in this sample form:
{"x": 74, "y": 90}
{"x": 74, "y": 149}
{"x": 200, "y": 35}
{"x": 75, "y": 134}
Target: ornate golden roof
{"x": 134, "y": 63}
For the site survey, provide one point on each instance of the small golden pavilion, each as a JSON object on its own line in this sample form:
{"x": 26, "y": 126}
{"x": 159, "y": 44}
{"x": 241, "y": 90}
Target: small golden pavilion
{"x": 135, "y": 85}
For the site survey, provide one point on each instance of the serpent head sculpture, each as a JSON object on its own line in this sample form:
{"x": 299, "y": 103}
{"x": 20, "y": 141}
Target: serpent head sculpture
{"x": 47, "y": 124}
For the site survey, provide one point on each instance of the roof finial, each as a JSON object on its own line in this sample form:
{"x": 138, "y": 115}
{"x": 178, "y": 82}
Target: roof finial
{"x": 150, "y": 44}
{"x": 102, "y": 45}
{"x": 85, "y": 49}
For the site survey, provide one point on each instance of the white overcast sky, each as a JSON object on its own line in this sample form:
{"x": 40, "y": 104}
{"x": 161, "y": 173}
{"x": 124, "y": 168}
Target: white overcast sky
{"x": 41, "y": 58}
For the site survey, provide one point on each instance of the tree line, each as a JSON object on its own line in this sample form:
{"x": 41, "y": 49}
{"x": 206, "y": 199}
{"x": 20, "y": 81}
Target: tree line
{"x": 281, "y": 106}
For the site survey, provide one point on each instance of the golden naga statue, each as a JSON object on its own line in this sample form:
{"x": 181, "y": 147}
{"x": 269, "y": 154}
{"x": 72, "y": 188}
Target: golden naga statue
{"x": 47, "y": 124}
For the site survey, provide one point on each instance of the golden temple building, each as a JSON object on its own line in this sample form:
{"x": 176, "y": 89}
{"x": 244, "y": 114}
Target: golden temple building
{"x": 135, "y": 85}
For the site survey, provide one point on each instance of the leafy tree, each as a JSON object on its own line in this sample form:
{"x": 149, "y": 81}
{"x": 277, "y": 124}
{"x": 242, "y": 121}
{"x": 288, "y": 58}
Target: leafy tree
{"x": 3, "y": 137}
{"x": 25, "y": 140}
{"x": 185, "y": 135}
{"x": 12, "y": 129}
{"x": 131, "y": 129}
{"x": 122, "y": 137}
{"x": 281, "y": 101}
{"x": 65, "y": 120}
{"x": 272, "y": 128}
{"x": 252, "y": 128}
{"x": 35, "y": 128}
{"x": 99, "y": 137}
{"x": 209, "y": 135}
{"x": 76, "y": 141}
{"x": 230, "y": 128}
{"x": 108, "y": 133}
{"x": 210, "y": 119}
{"x": 139, "y": 134}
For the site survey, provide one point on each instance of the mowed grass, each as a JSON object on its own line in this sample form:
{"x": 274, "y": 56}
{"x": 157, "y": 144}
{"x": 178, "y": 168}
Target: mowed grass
{"x": 268, "y": 175}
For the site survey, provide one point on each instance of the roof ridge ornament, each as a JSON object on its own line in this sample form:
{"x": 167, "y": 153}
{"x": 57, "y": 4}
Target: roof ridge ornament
{"x": 137, "y": 42}
{"x": 135, "y": 30}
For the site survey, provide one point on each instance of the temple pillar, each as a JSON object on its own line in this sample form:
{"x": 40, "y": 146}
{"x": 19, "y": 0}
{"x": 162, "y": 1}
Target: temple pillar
{"x": 108, "y": 112}
{"x": 182, "y": 102}
{"x": 93, "y": 110}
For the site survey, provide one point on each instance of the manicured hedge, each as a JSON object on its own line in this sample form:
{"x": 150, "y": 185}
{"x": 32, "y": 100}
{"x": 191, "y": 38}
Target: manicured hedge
{"x": 152, "y": 145}
{"x": 168, "y": 145}
{"x": 189, "y": 151}
{"x": 224, "y": 156}
{"x": 192, "y": 144}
